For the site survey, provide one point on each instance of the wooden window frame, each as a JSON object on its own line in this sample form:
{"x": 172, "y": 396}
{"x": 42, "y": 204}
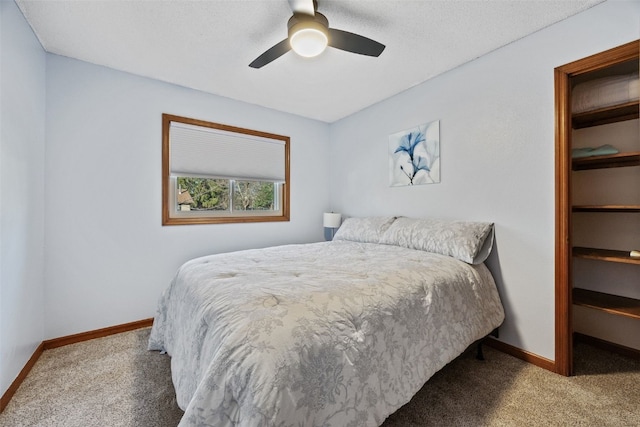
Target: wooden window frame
{"x": 226, "y": 219}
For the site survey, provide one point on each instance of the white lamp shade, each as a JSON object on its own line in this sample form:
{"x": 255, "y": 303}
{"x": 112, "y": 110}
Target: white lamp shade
{"x": 332, "y": 220}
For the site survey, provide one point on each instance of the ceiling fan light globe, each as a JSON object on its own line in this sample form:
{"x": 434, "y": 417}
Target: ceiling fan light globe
{"x": 308, "y": 42}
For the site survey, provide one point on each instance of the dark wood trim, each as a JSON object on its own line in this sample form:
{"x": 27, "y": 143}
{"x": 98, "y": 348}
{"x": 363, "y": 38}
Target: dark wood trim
{"x": 563, "y": 259}
{"x": 609, "y": 255}
{"x": 612, "y": 304}
{"x": 563, "y": 305}
{"x": 607, "y": 208}
{"x": 98, "y": 333}
{"x": 607, "y": 345}
{"x": 516, "y": 352}
{"x": 6, "y": 397}
{"x": 603, "y": 116}
{"x": 619, "y": 160}
{"x": 166, "y": 125}
{"x": 598, "y": 61}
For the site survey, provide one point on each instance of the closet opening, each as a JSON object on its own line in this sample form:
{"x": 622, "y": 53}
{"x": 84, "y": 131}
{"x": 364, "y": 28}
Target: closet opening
{"x": 597, "y": 218}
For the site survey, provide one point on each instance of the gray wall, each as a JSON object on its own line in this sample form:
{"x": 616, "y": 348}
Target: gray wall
{"x": 497, "y": 157}
{"x": 108, "y": 257}
{"x": 22, "y": 116}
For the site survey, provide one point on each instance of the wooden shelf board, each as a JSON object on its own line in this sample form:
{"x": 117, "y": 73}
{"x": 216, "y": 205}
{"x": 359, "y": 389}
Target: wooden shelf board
{"x": 606, "y": 208}
{"x": 603, "y": 116}
{"x": 612, "y": 161}
{"x": 613, "y": 304}
{"x": 605, "y": 255}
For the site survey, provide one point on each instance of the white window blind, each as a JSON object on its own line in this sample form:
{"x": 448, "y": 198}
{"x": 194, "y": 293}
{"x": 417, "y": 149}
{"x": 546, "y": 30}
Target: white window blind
{"x": 214, "y": 153}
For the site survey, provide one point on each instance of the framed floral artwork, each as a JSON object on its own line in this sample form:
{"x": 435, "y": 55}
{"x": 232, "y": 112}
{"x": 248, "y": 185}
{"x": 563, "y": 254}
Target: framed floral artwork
{"x": 414, "y": 155}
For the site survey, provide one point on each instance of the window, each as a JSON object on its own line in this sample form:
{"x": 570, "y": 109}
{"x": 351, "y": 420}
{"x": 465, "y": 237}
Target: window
{"x": 213, "y": 173}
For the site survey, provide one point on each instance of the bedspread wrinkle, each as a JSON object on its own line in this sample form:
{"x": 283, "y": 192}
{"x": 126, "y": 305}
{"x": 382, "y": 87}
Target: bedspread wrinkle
{"x": 324, "y": 334}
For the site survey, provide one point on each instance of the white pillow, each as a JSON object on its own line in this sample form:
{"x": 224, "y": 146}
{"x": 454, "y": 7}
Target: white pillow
{"x": 364, "y": 230}
{"x": 467, "y": 241}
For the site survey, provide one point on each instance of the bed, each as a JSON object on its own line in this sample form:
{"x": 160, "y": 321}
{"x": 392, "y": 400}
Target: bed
{"x": 339, "y": 333}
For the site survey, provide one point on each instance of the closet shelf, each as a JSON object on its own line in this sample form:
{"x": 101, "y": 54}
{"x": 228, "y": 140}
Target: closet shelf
{"x": 606, "y": 208}
{"x": 611, "y": 161}
{"x": 603, "y": 116}
{"x": 613, "y": 304}
{"x": 609, "y": 255}
{"x": 611, "y": 199}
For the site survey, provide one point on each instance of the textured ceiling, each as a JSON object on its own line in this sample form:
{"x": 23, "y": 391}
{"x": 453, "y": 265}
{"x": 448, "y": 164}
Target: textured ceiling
{"x": 207, "y": 45}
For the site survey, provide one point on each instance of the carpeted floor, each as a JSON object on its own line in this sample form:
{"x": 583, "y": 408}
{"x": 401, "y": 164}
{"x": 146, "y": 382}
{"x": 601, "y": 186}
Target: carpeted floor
{"x": 116, "y": 382}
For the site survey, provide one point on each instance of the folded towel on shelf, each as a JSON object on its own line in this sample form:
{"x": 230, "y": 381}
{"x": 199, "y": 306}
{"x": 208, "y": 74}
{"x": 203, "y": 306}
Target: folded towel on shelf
{"x": 603, "y": 150}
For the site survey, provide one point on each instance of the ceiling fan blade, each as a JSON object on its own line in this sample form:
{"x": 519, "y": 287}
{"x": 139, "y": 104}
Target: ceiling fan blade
{"x": 271, "y": 54}
{"x": 308, "y": 7}
{"x": 355, "y": 43}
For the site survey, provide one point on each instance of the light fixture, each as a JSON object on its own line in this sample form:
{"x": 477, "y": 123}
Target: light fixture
{"x": 308, "y": 35}
{"x": 308, "y": 42}
{"x": 332, "y": 221}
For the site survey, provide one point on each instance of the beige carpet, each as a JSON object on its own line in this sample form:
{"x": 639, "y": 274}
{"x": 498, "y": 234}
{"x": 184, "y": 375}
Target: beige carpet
{"x": 114, "y": 381}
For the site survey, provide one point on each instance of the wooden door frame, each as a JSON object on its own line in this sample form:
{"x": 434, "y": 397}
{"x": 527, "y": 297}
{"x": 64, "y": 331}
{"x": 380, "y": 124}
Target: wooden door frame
{"x": 563, "y": 262}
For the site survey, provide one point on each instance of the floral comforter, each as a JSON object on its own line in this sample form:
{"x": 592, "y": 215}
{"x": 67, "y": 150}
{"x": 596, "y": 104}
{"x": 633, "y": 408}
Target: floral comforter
{"x": 325, "y": 334}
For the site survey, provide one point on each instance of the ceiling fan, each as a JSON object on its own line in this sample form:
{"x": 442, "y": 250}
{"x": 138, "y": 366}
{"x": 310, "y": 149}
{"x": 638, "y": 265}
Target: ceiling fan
{"x": 309, "y": 35}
